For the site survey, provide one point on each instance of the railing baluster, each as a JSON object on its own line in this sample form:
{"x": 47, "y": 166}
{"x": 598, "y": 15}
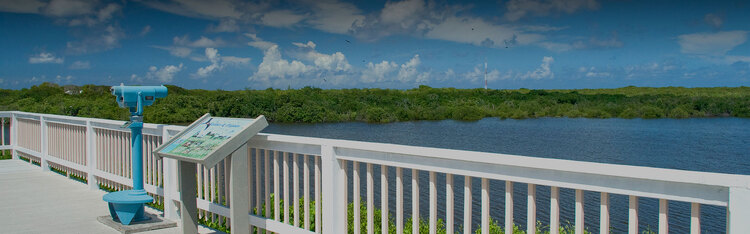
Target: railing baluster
{"x": 370, "y": 201}
{"x": 414, "y": 201}
{"x": 554, "y": 210}
{"x": 384, "y": 199}
{"x": 579, "y": 212}
{"x": 604, "y": 214}
{"x": 695, "y": 218}
{"x": 257, "y": 184}
{"x": 663, "y": 216}
{"x": 276, "y": 210}
{"x": 508, "y": 207}
{"x": 295, "y": 189}
{"x": 448, "y": 203}
{"x": 531, "y": 209}
{"x": 433, "y": 203}
{"x": 318, "y": 177}
{"x": 306, "y": 191}
{"x": 467, "y": 204}
{"x": 267, "y": 184}
{"x": 206, "y": 184}
{"x": 399, "y": 201}
{"x": 285, "y": 162}
{"x": 633, "y": 215}
{"x": 356, "y": 198}
{"x": 486, "y": 207}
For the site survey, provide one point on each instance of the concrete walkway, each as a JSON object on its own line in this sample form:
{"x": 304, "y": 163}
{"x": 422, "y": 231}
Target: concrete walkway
{"x": 34, "y": 201}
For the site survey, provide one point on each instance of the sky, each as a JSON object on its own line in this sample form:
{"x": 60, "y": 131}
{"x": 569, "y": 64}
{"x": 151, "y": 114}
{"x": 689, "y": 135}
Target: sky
{"x": 332, "y": 44}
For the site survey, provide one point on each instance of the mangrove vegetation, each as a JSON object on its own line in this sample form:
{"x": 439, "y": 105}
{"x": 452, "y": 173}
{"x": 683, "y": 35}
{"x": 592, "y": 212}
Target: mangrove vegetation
{"x": 314, "y": 105}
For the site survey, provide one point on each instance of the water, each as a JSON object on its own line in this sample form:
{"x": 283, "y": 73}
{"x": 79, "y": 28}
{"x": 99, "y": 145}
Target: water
{"x": 706, "y": 144}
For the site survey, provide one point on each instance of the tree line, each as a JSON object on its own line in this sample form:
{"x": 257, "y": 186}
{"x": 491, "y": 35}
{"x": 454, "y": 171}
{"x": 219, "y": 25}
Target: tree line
{"x": 315, "y": 105}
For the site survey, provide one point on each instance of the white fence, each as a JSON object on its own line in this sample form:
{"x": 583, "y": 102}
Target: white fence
{"x": 318, "y": 176}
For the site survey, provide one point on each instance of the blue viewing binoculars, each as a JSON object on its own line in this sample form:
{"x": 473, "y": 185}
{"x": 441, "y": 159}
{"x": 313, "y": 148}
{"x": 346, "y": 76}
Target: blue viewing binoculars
{"x": 136, "y": 97}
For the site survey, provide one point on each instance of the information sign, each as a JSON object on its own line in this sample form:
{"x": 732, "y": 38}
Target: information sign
{"x": 210, "y": 139}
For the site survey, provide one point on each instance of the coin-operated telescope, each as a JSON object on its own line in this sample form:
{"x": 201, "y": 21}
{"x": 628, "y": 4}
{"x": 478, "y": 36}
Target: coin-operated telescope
{"x": 127, "y": 206}
{"x": 136, "y": 97}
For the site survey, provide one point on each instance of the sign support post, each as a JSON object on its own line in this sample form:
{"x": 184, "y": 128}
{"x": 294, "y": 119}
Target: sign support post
{"x": 188, "y": 206}
{"x": 239, "y": 198}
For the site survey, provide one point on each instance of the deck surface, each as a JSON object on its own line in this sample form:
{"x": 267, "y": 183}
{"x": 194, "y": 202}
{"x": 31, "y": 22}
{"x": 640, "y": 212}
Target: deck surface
{"x": 35, "y": 201}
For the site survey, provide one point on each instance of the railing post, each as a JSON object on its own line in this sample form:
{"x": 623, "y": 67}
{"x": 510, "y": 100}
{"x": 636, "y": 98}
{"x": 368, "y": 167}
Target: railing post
{"x": 45, "y": 148}
{"x": 91, "y": 157}
{"x": 170, "y": 181}
{"x": 738, "y": 210}
{"x": 334, "y": 215}
{"x": 14, "y": 135}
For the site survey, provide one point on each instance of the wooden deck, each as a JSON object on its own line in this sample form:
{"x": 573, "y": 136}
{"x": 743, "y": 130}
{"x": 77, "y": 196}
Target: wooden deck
{"x": 35, "y": 201}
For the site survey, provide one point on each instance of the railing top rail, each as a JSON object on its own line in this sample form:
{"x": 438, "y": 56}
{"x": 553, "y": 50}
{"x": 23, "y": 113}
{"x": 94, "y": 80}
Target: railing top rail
{"x": 312, "y": 145}
{"x": 83, "y": 120}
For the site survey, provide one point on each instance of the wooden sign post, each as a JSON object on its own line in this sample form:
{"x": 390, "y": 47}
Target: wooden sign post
{"x": 207, "y": 141}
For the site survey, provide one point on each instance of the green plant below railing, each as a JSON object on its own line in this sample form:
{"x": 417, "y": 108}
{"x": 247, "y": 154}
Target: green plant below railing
{"x": 78, "y": 178}
{"x": 495, "y": 228}
{"x": 25, "y": 159}
{"x": 5, "y": 155}
{"x": 58, "y": 171}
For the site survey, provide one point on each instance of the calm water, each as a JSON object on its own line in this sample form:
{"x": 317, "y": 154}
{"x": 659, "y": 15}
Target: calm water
{"x": 710, "y": 144}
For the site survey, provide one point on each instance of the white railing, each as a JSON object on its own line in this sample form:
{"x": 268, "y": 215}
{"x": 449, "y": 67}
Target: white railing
{"x": 325, "y": 172}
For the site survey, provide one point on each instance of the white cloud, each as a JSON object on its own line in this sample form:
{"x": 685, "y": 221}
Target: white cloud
{"x": 59, "y": 79}
{"x": 334, "y": 16}
{"x": 479, "y": 32}
{"x": 165, "y": 74}
{"x": 592, "y": 43}
{"x": 276, "y": 68}
{"x": 177, "y": 51}
{"x": 713, "y": 20}
{"x": 225, "y": 25}
{"x": 517, "y": 9}
{"x": 146, "y": 29}
{"x": 258, "y": 42}
{"x": 408, "y": 71}
{"x": 218, "y": 62}
{"x": 477, "y": 74}
{"x": 402, "y": 12}
{"x": 202, "y": 42}
{"x": 281, "y": 18}
{"x": 542, "y": 72}
{"x": 65, "y": 8}
{"x": 330, "y": 62}
{"x": 108, "y": 38}
{"x": 593, "y": 73}
{"x": 80, "y": 65}
{"x": 44, "y": 57}
{"x": 388, "y": 71}
{"x": 199, "y": 8}
{"x": 377, "y": 72}
{"x": 21, "y": 6}
{"x": 232, "y": 60}
{"x": 711, "y": 44}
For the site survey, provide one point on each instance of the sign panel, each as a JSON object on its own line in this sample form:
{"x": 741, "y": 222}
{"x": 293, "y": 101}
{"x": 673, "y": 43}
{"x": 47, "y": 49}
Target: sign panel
{"x": 210, "y": 139}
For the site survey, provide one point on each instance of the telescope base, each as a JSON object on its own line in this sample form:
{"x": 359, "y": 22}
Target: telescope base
{"x": 127, "y": 206}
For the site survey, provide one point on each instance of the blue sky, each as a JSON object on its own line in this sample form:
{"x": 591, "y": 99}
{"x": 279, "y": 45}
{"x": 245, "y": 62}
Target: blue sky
{"x": 230, "y": 45}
